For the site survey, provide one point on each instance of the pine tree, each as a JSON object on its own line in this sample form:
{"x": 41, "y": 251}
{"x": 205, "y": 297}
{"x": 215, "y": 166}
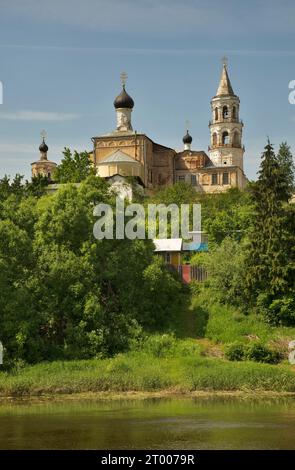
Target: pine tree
{"x": 287, "y": 167}
{"x": 269, "y": 258}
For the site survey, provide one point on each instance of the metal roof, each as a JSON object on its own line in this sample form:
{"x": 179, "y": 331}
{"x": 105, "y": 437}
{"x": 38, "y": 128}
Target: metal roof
{"x": 167, "y": 244}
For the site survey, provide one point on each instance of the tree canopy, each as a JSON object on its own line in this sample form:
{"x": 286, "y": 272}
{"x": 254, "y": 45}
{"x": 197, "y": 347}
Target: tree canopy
{"x": 73, "y": 168}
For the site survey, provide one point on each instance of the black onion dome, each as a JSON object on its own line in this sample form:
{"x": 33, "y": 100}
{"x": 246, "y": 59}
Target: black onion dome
{"x": 123, "y": 100}
{"x": 43, "y": 147}
{"x": 187, "y": 139}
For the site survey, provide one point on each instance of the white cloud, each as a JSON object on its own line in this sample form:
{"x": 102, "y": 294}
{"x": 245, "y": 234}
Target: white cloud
{"x": 27, "y": 115}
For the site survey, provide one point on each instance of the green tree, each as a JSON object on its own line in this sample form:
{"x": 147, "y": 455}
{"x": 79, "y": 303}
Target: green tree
{"x": 66, "y": 294}
{"x": 269, "y": 264}
{"x": 73, "y": 168}
{"x": 225, "y": 266}
{"x": 37, "y": 185}
{"x": 286, "y": 164}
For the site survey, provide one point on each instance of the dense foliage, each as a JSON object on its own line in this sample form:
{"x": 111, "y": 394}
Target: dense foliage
{"x": 65, "y": 294}
{"x": 73, "y": 168}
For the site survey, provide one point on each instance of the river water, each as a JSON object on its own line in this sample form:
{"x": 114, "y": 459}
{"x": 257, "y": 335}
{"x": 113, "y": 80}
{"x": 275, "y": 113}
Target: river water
{"x": 187, "y": 423}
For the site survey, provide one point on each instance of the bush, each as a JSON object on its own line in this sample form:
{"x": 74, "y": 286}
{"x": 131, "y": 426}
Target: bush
{"x": 257, "y": 352}
{"x": 282, "y": 312}
{"x": 277, "y": 312}
{"x": 160, "y": 345}
{"x": 235, "y": 351}
{"x": 260, "y": 353}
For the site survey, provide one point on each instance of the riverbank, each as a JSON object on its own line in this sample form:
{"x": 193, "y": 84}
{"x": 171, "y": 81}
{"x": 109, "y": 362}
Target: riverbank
{"x": 191, "y": 362}
{"x": 180, "y": 369}
{"x": 155, "y": 395}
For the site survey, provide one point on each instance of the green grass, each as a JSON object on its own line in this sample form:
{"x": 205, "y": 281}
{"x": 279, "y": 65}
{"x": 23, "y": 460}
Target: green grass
{"x": 167, "y": 362}
{"x": 178, "y": 366}
{"x": 225, "y": 324}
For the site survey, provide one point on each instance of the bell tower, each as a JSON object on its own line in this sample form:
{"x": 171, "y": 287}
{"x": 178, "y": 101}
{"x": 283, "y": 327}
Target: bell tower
{"x": 225, "y": 126}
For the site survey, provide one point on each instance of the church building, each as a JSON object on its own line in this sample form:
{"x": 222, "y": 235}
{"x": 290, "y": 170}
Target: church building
{"x": 125, "y": 152}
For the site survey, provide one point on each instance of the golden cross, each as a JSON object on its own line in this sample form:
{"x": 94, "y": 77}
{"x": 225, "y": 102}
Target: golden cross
{"x": 123, "y": 77}
{"x": 43, "y": 134}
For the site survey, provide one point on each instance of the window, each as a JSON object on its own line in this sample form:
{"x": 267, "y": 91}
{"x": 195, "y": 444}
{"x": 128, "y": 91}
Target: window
{"x": 150, "y": 176}
{"x": 234, "y": 112}
{"x": 236, "y": 139}
{"x": 225, "y": 178}
{"x": 167, "y": 258}
{"x": 181, "y": 178}
{"x": 216, "y": 114}
{"x": 225, "y": 112}
{"x": 225, "y": 138}
{"x": 214, "y": 139}
{"x": 214, "y": 178}
{"x": 194, "y": 180}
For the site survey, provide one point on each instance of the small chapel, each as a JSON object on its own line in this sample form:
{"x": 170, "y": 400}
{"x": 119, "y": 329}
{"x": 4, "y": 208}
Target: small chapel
{"x": 125, "y": 152}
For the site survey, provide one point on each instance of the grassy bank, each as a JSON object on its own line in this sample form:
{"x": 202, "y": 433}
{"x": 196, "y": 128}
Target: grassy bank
{"x": 225, "y": 324}
{"x": 189, "y": 362}
{"x": 181, "y": 368}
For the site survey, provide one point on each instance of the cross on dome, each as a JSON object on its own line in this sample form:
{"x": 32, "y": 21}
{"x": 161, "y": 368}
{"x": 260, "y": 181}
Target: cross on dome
{"x": 123, "y": 78}
{"x": 224, "y": 61}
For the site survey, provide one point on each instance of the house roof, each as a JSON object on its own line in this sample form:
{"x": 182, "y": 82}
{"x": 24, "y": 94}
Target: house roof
{"x": 118, "y": 157}
{"x": 167, "y": 244}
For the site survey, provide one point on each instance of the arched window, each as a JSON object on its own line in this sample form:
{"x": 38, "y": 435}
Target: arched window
{"x": 214, "y": 139}
{"x": 225, "y": 112}
{"x": 225, "y": 138}
{"x": 234, "y": 112}
{"x": 236, "y": 139}
{"x": 216, "y": 114}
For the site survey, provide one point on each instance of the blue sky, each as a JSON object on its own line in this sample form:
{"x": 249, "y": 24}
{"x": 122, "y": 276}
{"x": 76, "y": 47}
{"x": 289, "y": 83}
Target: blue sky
{"x": 60, "y": 65}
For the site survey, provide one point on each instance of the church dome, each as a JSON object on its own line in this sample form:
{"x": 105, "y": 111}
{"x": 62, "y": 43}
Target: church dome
{"x": 123, "y": 100}
{"x": 43, "y": 147}
{"x": 187, "y": 139}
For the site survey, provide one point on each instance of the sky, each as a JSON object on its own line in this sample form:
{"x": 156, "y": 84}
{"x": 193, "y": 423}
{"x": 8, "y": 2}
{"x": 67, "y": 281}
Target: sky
{"x": 60, "y": 65}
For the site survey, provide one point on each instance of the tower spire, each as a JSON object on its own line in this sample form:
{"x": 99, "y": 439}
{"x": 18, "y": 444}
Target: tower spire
{"x": 224, "y": 87}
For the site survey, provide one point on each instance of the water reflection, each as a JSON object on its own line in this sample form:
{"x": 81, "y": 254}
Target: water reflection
{"x": 188, "y": 423}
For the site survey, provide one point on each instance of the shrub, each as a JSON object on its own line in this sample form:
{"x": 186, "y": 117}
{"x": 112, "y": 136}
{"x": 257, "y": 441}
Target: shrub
{"x": 256, "y": 351}
{"x": 235, "y": 351}
{"x": 160, "y": 345}
{"x": 282, "y": 312}
{"x": 260, "y": 353}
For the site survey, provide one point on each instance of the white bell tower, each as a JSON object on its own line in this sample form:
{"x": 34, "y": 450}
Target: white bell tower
{"x": 225, "y": 126}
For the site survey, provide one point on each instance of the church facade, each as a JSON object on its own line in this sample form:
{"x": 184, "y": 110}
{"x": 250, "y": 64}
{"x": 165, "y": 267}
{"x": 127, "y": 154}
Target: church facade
{"x": 125, "y": 152}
